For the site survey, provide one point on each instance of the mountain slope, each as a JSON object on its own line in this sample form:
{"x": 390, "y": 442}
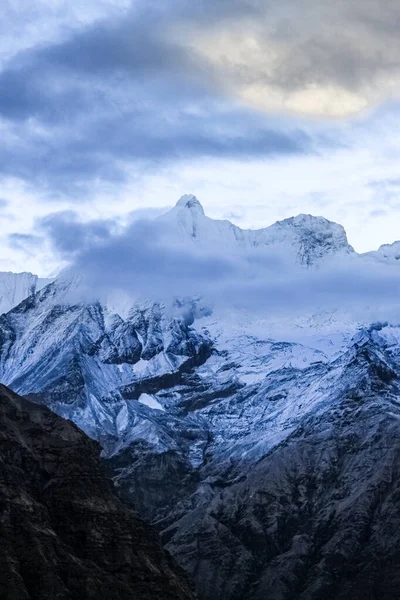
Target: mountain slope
{"x": 314, "y": 514}
{"x": 84, "y": 361}
{"x": 64, "y": 533}
{"x": 245, "y": 436}
{"x": 15, "y": 287}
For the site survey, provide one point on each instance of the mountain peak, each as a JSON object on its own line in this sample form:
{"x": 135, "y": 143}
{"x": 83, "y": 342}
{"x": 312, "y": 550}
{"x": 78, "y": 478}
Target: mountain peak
{"x": 190, "y": 201}
{"x": 305, "y": 238}
{"x": 15, "y": 287}
{"x": 315, "y": 237}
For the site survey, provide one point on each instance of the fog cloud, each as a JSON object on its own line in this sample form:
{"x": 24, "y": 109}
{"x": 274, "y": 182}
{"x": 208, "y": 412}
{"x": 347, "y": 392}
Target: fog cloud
{"x": 146, "y": 261}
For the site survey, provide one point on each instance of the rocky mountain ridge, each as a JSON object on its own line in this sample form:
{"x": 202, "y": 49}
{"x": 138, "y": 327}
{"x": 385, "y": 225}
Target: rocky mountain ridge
{"x": 249, "y": 439}
{"x": 64, "y": 533}
{"x": 15, "y": 287}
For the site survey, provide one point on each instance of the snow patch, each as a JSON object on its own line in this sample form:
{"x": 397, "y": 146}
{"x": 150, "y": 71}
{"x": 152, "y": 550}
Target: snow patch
{"x": 150, "y": 401}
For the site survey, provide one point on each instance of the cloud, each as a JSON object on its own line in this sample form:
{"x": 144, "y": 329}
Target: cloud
{"x": 378, "y": 212}
{"x": 143, "y": 214}
{"x": 142, "y": 259}
{"x": 27, "y": 243}
{"x": 26, "y": 24}
{"x": 121, "y": 96}
{"x": 322, "y": 59}
{"x": 146, "y": 259}
{"x": 70, "y": 236}
{"x": 125, "y": 89}
{"x": 117, "y": 104}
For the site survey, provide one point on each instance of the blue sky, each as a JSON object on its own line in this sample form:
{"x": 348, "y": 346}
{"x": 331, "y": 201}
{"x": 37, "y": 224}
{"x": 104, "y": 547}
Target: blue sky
{"x": 263, "y": 110}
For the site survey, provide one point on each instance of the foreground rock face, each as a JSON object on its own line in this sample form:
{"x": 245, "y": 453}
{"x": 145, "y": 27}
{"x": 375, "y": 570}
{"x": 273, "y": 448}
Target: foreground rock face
{"x": 63, "y": 532}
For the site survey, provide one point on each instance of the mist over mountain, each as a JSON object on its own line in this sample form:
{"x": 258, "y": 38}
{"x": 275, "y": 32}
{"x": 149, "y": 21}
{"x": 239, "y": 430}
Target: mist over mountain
{"x": 199, "y": 395}
{"x": 243, "y": 386}
{"x": 295, "y": 266}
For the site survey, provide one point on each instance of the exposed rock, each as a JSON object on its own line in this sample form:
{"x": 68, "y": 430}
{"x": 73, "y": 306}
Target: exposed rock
{"x": 317, "y": 517}
{"x": 63, "y": 532}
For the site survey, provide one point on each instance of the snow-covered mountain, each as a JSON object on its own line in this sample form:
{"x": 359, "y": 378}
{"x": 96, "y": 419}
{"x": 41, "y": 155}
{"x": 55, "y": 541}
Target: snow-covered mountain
{"x": 303, "y": 239}
{"x": 85, "y": 360}
{"x": 265, "y": 446}
{"x": 387, "y": 253}
{"x": 15, "y": 287}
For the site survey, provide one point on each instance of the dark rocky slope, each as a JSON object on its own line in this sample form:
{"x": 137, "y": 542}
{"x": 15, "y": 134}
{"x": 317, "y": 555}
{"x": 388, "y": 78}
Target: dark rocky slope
{"x": 318, "y": 517}
{"x": 64, "y": 534}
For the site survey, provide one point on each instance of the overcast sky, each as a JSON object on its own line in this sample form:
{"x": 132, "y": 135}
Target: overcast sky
{"x": 262, "y": 109}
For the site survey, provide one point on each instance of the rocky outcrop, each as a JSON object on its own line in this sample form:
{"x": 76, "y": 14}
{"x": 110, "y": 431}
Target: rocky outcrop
{"x": 82, "y": 360}
{"x": 317, "y": 516}
{"x": 317, "y": 519}
{"x": 63, "y": 532}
